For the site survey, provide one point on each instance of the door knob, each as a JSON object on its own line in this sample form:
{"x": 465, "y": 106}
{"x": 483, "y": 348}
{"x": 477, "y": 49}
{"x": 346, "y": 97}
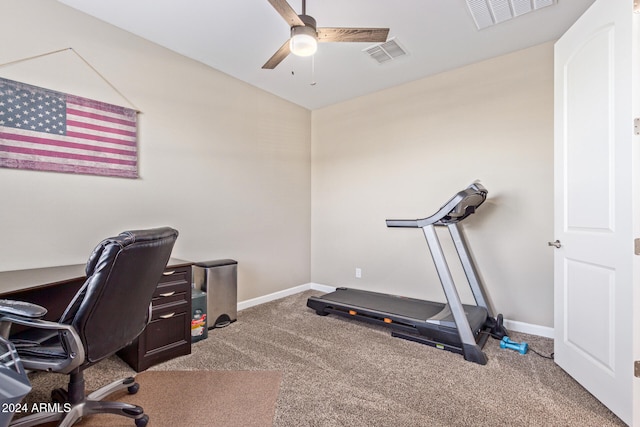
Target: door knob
{"x": 556, "y": 244}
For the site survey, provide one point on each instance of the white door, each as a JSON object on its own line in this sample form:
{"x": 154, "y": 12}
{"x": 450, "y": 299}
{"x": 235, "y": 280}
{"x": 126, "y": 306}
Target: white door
{"x": 595, "y": 266}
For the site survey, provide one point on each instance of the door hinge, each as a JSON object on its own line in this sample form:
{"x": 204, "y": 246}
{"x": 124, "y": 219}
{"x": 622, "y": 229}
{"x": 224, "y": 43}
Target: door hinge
{"x": 636, "y": 369}
{"x": 636, "y": 124}
{"x": 636, "y": 246}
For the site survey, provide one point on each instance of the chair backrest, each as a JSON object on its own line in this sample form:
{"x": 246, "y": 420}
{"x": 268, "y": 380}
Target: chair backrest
{"x": 112, "y": 307}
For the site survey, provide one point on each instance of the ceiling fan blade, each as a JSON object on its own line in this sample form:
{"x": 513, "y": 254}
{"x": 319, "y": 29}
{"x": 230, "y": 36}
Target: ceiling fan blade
{"x": 287, "y": 12}
{"x": 370, "y": 35}
{"x": 277, "y": 57}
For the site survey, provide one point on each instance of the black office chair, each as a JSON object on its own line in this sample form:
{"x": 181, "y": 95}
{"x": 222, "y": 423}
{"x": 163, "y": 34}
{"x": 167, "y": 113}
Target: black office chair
{"x": 110, "y": 310}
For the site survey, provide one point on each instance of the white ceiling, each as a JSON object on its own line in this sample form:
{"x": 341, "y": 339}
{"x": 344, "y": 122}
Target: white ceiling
{"x": 238, "y": 36}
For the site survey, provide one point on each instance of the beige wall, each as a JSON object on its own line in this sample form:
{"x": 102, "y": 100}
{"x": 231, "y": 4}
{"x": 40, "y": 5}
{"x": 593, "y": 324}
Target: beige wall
{"x": 217, "y": 162}
{"x": 402, "y": 152}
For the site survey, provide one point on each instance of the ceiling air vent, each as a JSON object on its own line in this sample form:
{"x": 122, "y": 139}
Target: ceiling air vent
{"x": 490, "y": 12}
{"x": 386, "y": 51}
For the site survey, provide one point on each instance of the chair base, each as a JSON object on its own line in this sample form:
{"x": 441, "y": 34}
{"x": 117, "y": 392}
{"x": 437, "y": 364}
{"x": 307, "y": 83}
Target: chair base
{"x": 92, "y": 404}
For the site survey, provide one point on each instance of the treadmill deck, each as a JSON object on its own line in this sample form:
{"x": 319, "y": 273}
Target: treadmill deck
{"x": 408, "y": 310}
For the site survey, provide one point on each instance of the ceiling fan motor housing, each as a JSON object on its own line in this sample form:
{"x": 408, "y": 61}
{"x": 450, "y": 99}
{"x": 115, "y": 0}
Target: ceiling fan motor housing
{"x": 309, "y": 27}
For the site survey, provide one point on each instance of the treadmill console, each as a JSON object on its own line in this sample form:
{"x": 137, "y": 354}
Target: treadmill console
{"x": 464, "y": 204}
{"x": 460, "y": 206}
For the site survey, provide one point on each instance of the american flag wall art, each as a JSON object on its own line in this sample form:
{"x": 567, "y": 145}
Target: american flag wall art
{"x": 45, "y": 130}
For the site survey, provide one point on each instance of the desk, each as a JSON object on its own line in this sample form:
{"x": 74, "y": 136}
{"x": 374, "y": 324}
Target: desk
{"x": 164, "y": 338}
{"x": 51, "y": 287}
{"x": 34, "y": 278}
{"x": 31, "y": 279}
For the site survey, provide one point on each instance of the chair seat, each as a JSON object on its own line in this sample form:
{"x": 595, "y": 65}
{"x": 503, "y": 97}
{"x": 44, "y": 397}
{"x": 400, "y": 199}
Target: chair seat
{"x": 39, "y": 344}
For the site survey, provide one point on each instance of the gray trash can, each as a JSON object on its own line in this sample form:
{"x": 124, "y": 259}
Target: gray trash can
{"x": 219, "y": 279}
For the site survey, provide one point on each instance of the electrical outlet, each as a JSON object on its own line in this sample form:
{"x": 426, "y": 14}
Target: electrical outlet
{"x": 358, "y": 273}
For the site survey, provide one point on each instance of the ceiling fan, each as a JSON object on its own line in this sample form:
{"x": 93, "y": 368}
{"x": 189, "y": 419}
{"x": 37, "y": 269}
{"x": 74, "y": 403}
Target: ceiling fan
{"x": 305, "y": 35}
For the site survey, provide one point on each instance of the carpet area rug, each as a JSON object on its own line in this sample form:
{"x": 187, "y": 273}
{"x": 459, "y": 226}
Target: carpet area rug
{"x": 200, "y": 398}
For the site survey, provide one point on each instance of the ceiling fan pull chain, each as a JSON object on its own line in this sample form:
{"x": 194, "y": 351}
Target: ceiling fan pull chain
{"x": 313, "y": 70}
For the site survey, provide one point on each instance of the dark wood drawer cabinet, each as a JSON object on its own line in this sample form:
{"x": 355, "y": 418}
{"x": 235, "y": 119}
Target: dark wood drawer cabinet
{"x": 168, "y": 335}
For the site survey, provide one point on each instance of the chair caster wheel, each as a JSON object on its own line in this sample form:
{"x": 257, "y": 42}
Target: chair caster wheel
{"x": 133, "y": 389}
{"x": 59, "y": 395}
{"x": 142, "y": 422}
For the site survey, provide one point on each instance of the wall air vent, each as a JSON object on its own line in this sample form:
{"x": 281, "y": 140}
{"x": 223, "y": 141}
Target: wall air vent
{"x": 490, "y": 12}
{"x": 386, "y": 51}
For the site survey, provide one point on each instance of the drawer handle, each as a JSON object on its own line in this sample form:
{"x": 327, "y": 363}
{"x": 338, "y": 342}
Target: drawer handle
{"x": 168, "y": 273}
{"x": 168, "y": 294}
{"x": 168, "y": 316}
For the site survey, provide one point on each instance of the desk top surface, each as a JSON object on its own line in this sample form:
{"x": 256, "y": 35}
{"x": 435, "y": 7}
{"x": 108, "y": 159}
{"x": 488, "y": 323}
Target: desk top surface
{"x": 21, "y": 280}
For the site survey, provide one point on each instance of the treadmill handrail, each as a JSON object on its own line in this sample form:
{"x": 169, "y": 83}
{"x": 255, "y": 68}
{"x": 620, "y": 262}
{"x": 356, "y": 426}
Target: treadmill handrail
{"x": 460, "y": 206}
{"x": 412, "y": 223}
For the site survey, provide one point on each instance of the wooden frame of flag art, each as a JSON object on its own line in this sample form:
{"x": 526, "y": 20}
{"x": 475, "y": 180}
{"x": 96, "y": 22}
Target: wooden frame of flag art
{"x": 41, "y": 129}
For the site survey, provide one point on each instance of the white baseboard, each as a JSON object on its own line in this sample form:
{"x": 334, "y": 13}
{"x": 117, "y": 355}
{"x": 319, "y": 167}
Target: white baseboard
{"x": 274, "y": 296}
{"x": 512, "y": 325}
{"x": 321, "y": 288}
{"x": 529, "y": 328}
{"x": 284, "y": 293}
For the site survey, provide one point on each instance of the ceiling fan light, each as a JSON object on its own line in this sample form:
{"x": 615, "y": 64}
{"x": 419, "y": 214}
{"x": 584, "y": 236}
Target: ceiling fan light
{"x": 303, "y": 41}
{"x": 303, "y": 45}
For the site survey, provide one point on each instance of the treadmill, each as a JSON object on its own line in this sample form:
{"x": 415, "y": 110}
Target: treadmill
{"x": 453, "y": 326}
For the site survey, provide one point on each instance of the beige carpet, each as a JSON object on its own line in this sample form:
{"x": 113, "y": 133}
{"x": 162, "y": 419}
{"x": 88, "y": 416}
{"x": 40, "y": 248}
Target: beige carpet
{"x": 337, "y": 372}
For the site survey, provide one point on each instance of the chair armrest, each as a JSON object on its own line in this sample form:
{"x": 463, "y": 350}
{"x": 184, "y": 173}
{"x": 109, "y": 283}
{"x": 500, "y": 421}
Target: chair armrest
{"x": 70, "y": 339}
{"x": 22, "y": 309}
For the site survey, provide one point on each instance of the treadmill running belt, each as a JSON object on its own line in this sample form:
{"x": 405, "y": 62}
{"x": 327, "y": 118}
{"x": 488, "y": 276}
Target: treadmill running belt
{"x": 384, "y": 303}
